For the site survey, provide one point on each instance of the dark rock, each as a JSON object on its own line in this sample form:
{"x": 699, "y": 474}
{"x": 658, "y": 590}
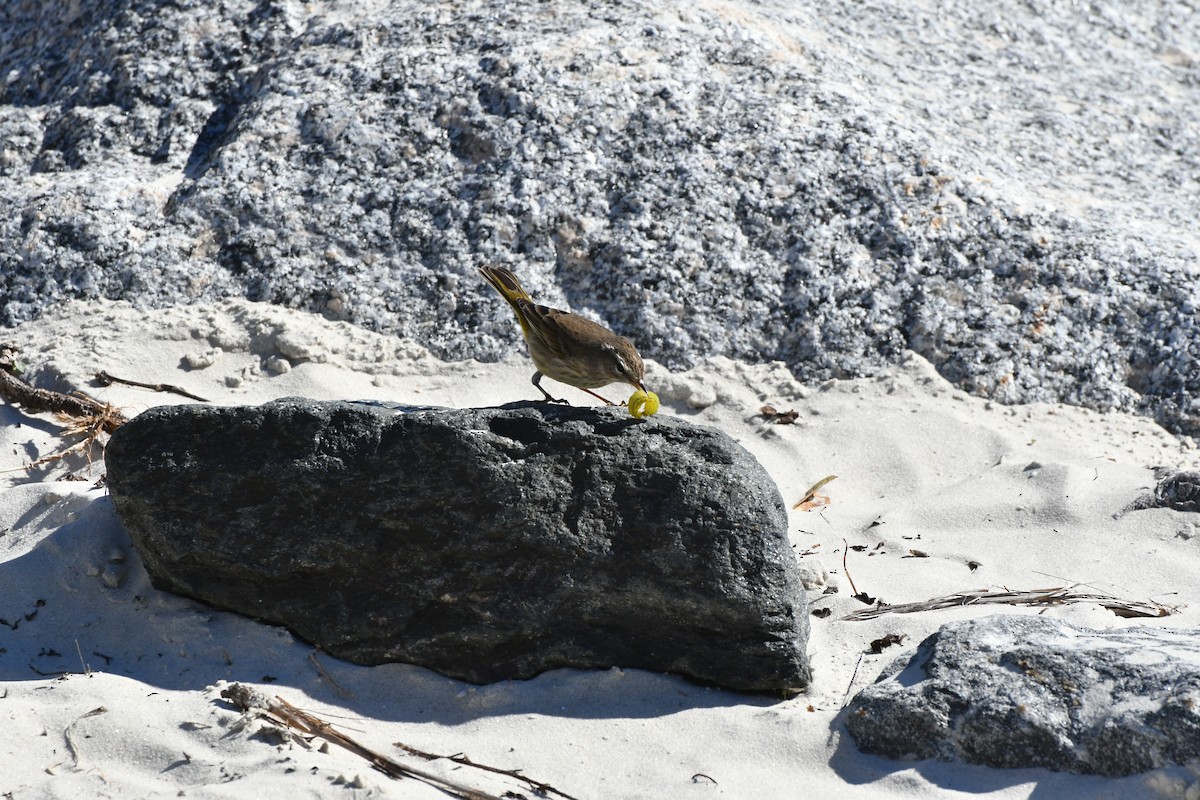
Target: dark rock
{"x": 1017, "y": 691}
{"x": 487, "y": 544}
{"x": 1179, "y": 491}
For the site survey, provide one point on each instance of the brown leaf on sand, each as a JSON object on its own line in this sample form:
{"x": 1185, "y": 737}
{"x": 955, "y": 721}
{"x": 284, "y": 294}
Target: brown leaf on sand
{"x": 778, "y": 417}
{"x": 878, "y": 645}
{"x": 811, "y": 499}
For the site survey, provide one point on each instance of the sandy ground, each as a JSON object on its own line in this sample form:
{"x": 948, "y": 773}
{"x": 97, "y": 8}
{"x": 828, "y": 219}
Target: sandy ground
{"x": 109, "y": 688}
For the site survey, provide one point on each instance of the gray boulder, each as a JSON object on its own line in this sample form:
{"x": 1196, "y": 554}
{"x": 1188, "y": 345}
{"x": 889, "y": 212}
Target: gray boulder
{"x": 486, "y": 544}
{"x": 1017, "y": 691}
{"x": 1179, "y": 491}
{"x": 701, "y": 179}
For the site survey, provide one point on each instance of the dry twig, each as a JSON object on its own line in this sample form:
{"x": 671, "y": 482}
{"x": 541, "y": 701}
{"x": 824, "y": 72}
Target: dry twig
{"x": 105, "y": 379}
{"x": 69, "y": 734}
{"x": 543, "y": 789}
{"x": 35, "y": 401}
{"x": 846, "y": 569}
{"x": 862, "y": 597}
{"x": 283, "y": 713}
{"x": 81, "y": 415}
{"x": 853, "y": 678}
{"x": 1036, "y": 597}
{"x": 345, "y": 694}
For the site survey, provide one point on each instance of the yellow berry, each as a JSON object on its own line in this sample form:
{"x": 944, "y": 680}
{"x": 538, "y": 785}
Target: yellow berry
{"x": 642, "y": 404}
{"x": 636, "y": 402}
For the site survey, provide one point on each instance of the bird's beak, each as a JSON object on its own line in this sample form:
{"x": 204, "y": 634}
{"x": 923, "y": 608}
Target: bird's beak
{"x": 639, "y": 385}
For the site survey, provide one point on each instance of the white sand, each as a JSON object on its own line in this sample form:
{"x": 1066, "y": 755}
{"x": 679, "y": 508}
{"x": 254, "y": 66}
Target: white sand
{"x": 943, "y": 473}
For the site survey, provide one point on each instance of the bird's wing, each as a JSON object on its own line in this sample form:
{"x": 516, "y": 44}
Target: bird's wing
{"x": 563, "y": 332}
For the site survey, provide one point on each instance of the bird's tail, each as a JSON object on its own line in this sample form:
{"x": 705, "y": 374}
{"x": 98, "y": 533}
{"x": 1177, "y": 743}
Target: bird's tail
{"x": 506, "y": 283}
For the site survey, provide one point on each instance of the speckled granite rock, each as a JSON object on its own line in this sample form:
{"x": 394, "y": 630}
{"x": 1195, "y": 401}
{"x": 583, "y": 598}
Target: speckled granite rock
{"x": 706, "y": 180}
{"x": 1023, "y": 691}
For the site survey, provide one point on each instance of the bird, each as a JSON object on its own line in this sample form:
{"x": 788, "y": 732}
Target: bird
{"x": 567, "y": 347}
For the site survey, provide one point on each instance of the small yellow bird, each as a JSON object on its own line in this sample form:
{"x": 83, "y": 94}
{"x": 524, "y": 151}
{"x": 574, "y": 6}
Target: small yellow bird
{"x": 567, "y": 347}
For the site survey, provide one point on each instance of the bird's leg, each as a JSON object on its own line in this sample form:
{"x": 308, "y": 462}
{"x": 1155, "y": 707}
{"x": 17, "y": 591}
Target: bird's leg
{"x": 607, "y": 402}
{"x": 537, "y": 381}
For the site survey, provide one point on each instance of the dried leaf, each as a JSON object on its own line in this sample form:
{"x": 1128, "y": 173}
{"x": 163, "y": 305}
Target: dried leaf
{"x": 811, "y": 499}
{"x": 878, "y": 645}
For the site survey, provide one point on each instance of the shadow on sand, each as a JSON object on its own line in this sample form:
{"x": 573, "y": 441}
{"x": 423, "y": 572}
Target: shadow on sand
{"x": 76, "y": 597}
